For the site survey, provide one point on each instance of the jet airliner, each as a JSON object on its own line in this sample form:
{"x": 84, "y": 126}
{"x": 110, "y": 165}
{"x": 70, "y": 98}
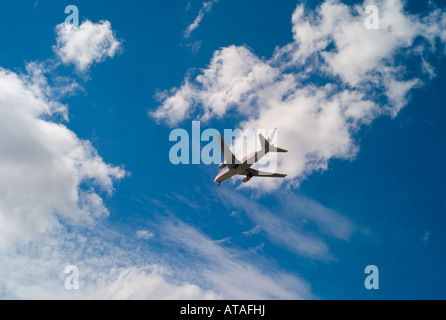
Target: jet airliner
{"x": 232, "y": 166}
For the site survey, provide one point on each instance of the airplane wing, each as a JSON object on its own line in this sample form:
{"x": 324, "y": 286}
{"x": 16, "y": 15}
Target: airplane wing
{"x": 257, "y": 173}
{"x": 229, "y": 157}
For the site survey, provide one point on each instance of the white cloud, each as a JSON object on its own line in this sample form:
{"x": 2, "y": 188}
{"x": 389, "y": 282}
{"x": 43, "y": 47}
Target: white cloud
{"x": 89, "y": 43}
{"x": 334, "y": 77}
{"x": 233, "y": 76}
{"x": 43, "y": 165}
{"x": 51, "y": 184}
{"x": 298, "y": 224}
{"x": 50, "y": 206}
{"x": 106, "y": 270}
{"x": 207, "y": 6}
{"x": 426, "y": 237}
{"x": 229, "y": 272}
{"x": 234, "y": 214}
{"x": 148, "y": 283}
{"x": 358, "y": 51}
{"x": 252, "y": 231}
{"x": 224, "y": 240}
{"x": 110, "y": 270}
{"x": 112, "y": 267}
{"x": 144, "y": 234}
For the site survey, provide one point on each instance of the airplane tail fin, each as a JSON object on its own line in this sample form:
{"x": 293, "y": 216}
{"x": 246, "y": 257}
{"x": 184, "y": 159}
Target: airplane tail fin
{"x": 268, "y": 147}
{"x": 271, "y": 137}
{"x": 229, "y": 157}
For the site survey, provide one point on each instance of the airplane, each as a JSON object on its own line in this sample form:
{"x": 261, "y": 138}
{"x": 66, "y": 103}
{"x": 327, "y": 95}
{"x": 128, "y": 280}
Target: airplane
{"x": 237, "y": 167}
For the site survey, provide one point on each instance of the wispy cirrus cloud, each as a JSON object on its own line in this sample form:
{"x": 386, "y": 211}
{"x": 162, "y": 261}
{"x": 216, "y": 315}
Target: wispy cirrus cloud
{"x": 299, "y": 224}
{"x": 207, "y": 6}
{"x": 232, "y": 273}
{"x": 252, "y": 231}
{"x": 335, "y": 77}
{"x": 114, "y": 266}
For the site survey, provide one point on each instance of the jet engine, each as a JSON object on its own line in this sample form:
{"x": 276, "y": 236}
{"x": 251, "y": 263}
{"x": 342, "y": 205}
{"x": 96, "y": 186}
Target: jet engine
{"x": 246, "y": 179}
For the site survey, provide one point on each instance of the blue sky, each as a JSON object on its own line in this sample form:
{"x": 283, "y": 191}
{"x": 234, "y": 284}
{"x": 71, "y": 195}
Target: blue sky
{"x": 361, "y": 112}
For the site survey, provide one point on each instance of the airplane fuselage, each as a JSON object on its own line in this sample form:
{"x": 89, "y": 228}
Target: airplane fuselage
{"x": 229, "y": 173}
{"x": 238, "y": 169}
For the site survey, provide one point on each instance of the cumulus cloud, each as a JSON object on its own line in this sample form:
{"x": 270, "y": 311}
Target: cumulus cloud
{"x": 46, "y": 171}
{"x": 50, "y": 202}
{"x": 51, "y": 183}
{"x": 320, "y": 89}
{"x": 51, "y": 188}
{"x": 232, "y": 79}
{"x": 88, "y": 44}
{"x": 207, "y": 6}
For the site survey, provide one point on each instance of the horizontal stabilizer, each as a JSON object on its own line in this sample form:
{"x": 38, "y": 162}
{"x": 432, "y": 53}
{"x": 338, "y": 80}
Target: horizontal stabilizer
{"x": 275, "y": 149}
{"x": 257, "y": 173}
{"x": 268, "y": 147}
